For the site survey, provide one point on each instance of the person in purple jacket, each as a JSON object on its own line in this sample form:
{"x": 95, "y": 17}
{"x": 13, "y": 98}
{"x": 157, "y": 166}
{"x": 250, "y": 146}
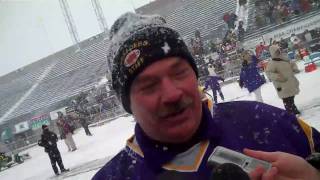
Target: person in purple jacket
{"x": 250, "y": 77}
{"x": 156, "y": 79}
{"x": 213, "y": 82}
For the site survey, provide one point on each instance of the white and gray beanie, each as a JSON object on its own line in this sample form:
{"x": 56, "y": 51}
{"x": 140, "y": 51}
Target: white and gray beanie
{"x": 136, "y": 42}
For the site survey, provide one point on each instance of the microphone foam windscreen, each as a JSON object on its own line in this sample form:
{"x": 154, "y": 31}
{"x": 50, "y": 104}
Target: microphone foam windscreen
{"x": 229, "y": 171}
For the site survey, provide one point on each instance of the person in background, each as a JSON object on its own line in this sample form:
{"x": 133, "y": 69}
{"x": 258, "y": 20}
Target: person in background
{"x": 260, "y": 49}
{"x": 250, "y": 77}
{"x": 282, "y": 73}
{"x": 83, "y": 117}
{"x": 308, "y": 38}
{"x": 155, "y": 78}
{"x": 213, "y": 82}
{"x": 296, "y": 41}
{"x": 66, "y": 131}
{"x": 49, "y": 141}
{"x": 241, "y": 31}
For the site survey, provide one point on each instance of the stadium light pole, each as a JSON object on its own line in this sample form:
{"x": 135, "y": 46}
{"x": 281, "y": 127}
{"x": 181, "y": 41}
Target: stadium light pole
{"x": 100, "y": 17}
{"x": 70, "y": 22}
{"x": 133, "y": 6}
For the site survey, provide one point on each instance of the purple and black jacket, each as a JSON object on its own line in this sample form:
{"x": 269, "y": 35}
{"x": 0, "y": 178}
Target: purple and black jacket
{"x": 235, "y": 125}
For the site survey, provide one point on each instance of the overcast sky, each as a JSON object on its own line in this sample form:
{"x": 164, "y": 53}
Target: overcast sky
{"x": 33, "y": 29}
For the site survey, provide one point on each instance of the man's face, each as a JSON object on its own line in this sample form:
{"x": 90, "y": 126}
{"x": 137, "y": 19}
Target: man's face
{"x": 165, "y": 100}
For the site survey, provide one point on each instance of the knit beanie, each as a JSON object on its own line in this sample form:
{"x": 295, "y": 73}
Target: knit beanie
{"x": 137, "y": 41}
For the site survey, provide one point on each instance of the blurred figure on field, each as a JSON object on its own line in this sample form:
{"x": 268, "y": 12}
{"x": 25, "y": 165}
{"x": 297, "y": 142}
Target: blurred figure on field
{"x": 49, "y": 141}
{"x": 66, "y": 131}
{"x": 213, "y": 83}
{"x": 282, "y": 73}
{"x": 84, "y": 116}
{"x": 250, "y": 77}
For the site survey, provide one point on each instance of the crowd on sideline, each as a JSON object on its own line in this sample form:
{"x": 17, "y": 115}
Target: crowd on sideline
{"x": 94, "y": 102}
{"x": 219, "y": 52}
{"x": 297, "y": 45}
{"x": 279, "y": 11}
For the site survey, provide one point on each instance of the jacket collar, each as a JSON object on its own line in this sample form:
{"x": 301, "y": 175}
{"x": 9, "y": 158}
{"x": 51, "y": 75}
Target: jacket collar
{"x": 157, "y": 153}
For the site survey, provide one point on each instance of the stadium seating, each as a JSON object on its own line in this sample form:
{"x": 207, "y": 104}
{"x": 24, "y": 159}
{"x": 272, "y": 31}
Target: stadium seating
{"x": 204, "y": 15}
{"x": 70, "y": 72}
{"x": 189, "y": 15}
{"x": 163, "y": 7}
{"x": 16, "y": 84}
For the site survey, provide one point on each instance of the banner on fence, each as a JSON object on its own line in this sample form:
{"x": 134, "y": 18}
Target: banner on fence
{"x": 38, "y": 121}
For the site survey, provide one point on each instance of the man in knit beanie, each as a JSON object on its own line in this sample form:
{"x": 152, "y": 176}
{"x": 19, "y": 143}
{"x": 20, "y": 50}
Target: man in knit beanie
{"x": 155, "y": 78}
{"x": 138, "y": 41}
{"x": 49, "y": 141}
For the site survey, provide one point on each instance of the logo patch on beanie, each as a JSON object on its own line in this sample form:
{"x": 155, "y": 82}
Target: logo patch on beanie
{"x": 132, "y": 57}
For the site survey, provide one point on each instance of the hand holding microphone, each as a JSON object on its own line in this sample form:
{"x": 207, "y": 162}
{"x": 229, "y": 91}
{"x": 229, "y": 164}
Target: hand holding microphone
{"x": 285, "y": 166}
{"x": 228, "y": 164}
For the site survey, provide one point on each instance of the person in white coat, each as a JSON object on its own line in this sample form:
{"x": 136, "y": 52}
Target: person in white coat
{"x": 282, "y": 73}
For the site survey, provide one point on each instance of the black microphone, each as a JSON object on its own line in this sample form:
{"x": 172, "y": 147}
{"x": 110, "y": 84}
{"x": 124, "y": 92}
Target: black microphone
{"x": 314, "y": 160}
{"x": 228, "y": 171}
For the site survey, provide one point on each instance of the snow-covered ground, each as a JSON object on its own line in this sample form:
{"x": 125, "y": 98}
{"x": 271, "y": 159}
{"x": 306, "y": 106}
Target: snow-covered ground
{"x": 307, "y": 101}
{"x": 109, "y": 138}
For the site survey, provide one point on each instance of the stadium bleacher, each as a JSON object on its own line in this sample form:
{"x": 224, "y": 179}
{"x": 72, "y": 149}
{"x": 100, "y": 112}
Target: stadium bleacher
{"x": 189, "y": 15}
{"x": 205, "y": 15}
{"x": 15, "y": 84}
{"x": 163, "y": 7}
{"x": 71, "y": 72}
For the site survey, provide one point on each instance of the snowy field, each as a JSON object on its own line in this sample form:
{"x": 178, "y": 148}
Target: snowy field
{"x": 108, "y": 139}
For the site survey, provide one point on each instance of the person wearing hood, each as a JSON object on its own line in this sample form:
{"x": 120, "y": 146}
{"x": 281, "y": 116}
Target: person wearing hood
{"x": 282, "y": 72}
{"x": 49, "y": 141}
{"x": 155, "y": 78}
{"x": 250, "y": 77}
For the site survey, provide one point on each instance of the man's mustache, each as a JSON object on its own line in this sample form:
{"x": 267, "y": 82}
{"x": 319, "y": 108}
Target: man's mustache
{"x": 174, "y": 108}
